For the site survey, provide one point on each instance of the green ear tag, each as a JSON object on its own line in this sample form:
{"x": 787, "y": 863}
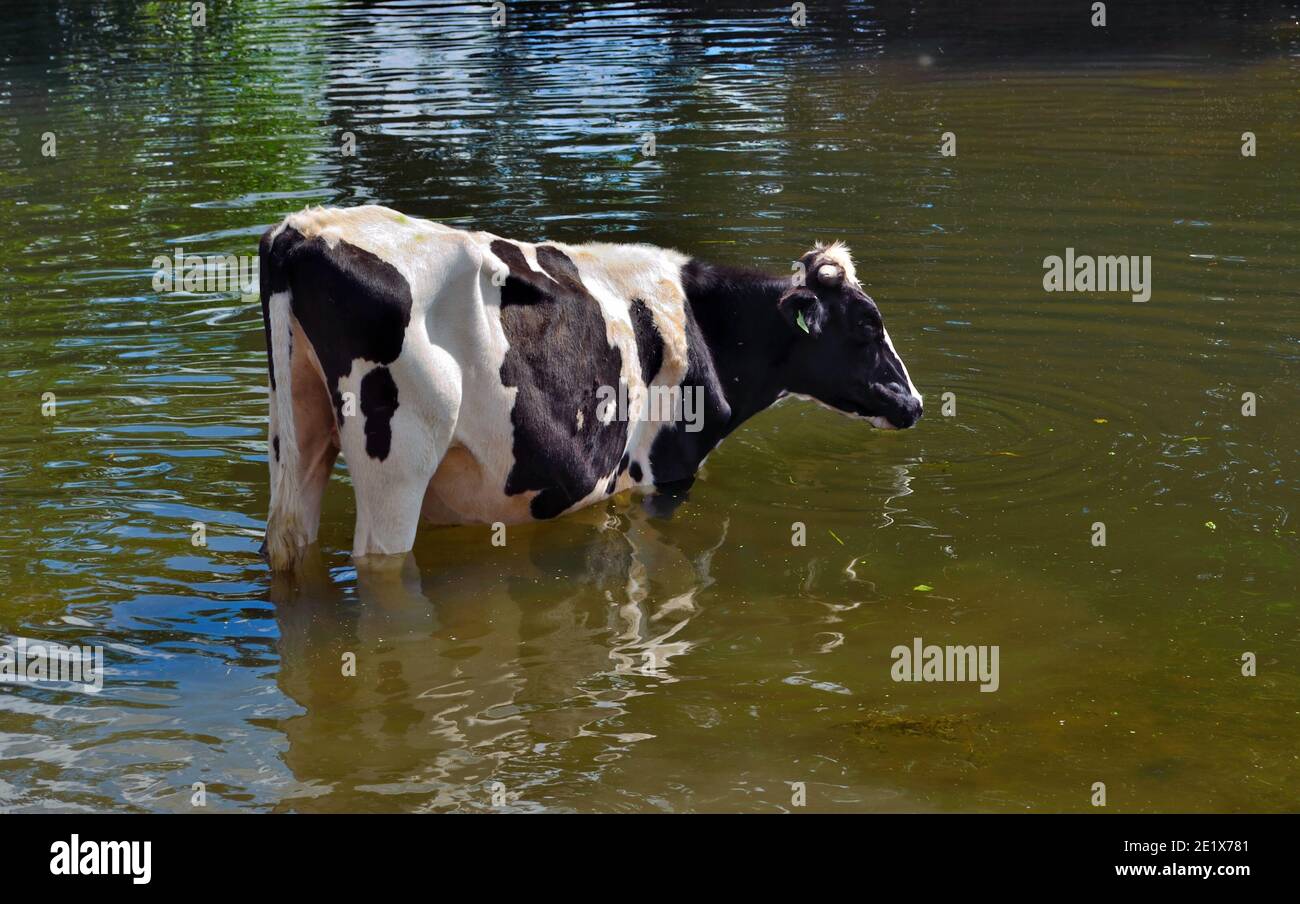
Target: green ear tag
{"x": 803, "y": 324}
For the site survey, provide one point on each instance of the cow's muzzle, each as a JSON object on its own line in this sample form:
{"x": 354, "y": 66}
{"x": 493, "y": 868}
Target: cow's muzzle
{"x": 897, "y": 407}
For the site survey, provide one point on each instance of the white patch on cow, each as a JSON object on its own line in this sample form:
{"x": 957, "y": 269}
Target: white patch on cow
{"x": 903, "y": 367}
{"x": 287, "y": 529}
{"x": 530, "y": 255}
{"x": 877, "y": 421}
{"x": 581, "y": 418}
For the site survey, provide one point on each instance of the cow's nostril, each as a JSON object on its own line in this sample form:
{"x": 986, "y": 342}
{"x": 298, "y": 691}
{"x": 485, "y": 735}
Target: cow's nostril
{"x": 909, "y": 410}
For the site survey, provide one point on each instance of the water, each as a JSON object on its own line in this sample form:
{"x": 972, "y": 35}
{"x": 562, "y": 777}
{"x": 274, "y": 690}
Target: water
{"x": 608, "y": 661}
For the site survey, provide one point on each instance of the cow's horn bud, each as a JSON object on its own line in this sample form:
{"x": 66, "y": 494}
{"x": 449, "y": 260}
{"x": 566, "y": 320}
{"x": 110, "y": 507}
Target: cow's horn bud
{"x": 830, "y": 274}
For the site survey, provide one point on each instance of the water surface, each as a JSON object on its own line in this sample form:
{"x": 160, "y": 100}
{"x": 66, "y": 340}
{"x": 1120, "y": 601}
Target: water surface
{"x": 609, "y": 661}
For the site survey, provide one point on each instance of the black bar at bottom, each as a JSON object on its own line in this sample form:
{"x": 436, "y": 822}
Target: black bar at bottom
{"x": 334, "y": 853}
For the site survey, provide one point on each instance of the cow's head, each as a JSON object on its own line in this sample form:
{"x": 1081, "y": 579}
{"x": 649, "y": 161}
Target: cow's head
{"x": 842, "y": 355}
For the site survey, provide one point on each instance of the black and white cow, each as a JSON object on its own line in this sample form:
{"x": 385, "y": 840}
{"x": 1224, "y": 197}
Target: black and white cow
{"x": 470, "y": 378}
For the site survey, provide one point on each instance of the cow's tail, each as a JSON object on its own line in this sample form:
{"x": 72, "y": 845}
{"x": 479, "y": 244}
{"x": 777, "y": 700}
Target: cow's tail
{"x": 286, "y": 526}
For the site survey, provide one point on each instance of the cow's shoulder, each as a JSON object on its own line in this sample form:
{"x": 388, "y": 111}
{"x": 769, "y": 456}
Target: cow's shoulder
{"x": 557, "y": 359}
{"x": 641, "y": 286}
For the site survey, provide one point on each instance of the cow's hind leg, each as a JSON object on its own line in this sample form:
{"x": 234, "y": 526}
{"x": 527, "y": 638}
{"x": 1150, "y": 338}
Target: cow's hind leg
{"x": 298, "y": 480}
{"x": 317, "y": 432}
{"x": 393, "y": 444}
{"x": 303, "y": 439}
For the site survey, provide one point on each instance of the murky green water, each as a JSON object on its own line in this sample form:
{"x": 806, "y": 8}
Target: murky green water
{"x": 609, "y": 661}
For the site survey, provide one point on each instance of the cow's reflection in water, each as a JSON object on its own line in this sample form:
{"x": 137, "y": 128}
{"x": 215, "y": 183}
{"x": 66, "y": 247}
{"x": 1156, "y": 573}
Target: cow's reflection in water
{"x": 464, "y": 664}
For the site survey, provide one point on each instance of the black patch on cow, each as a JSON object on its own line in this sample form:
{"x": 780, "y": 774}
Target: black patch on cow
{"x": 675, "y": 454}
{"x": 623, "y": 462}
{"x": 558, "y": 357}
{"x": 511, "y": 255}
{"x": 378, "y": 405}
{"x": 351, "y": 303}
{"x": 558, "y": 266}
{"x": 275, "y": 446}
{"x": 635, "y": 471}
{"x": 649, "y": 343}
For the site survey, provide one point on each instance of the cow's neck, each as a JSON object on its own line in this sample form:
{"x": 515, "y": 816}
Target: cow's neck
{"x": 747, "y": 340}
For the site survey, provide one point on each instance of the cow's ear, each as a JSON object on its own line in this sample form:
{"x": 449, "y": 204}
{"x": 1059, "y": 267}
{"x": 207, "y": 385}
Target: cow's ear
{"x": 803, "y": 310}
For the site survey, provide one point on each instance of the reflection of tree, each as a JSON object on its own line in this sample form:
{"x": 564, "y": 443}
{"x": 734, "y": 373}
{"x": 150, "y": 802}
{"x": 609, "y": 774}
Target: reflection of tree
{"x": 464, "y": 123}
{"x": 154, "y": 118}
